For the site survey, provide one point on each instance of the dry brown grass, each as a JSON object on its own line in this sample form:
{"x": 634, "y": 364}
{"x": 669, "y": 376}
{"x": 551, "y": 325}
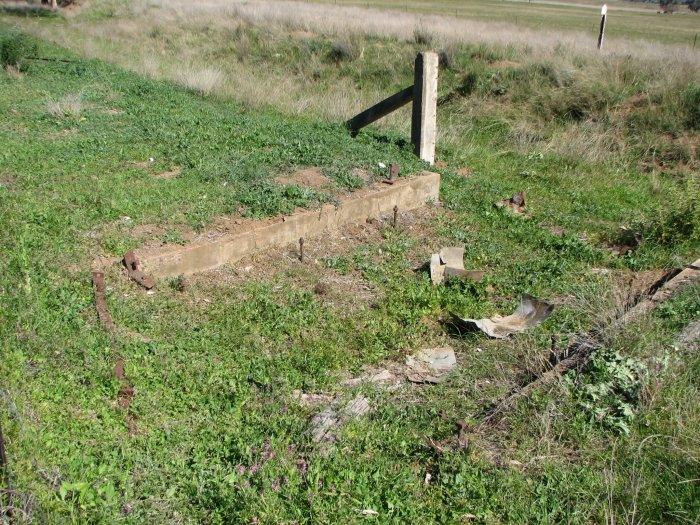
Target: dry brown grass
{"x": 13, "y": 72}
{"x": 204, "y": 81}
{"x": 69, "y": 105}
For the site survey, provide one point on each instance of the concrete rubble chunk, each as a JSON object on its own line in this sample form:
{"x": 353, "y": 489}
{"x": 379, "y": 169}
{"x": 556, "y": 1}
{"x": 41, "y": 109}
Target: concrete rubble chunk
{"x": 334, "y": 416}
{"x": 383, "y": 376}
{"x": 449, "y": 263}
{"x": 431, "y": 365}
{"x": 530, "y": 312}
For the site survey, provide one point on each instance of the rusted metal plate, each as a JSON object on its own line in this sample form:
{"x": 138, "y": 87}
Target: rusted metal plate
{"x": 98, "y": 280}
{"x": 516, "y": 204}
{"x": 133, "y": 267}
{"x": 393, "y": 174}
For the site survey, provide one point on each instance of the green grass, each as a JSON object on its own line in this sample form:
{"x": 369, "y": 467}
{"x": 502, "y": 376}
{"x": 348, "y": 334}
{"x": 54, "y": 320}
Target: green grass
{"x": 213, "y": 434}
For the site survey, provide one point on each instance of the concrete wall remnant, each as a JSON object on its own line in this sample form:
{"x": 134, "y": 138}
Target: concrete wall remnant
{"x": 208, "y": 253}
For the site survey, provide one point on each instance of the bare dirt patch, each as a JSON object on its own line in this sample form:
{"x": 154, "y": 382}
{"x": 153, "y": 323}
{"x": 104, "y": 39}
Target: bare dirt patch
{"x": 61, "y": 134}
{"x": 321, "y": 273}
{"x": 504, "y": 64}
{"x": 308, "y": 178}
{"x": 170, "y": 174}
{"x": 302, "y": 34}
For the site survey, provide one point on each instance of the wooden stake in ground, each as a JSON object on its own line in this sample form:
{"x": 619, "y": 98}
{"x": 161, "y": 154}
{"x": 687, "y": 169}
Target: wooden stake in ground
{"x": 424, "y": 118}
{"x": 603, "y": 16}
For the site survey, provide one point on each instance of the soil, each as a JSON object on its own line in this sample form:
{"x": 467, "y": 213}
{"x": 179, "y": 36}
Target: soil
{"x": 170, "y": 174}
{"x": 308, "y": 178}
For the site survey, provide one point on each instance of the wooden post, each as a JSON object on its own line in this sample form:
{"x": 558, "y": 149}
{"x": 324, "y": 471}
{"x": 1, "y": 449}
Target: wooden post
{"x": 382, "y": 109}
{"x": 424, "y": 119}
{"x": 603, "y": 16}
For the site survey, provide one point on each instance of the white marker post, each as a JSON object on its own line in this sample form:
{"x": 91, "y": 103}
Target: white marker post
{"x": 603, "y": 16}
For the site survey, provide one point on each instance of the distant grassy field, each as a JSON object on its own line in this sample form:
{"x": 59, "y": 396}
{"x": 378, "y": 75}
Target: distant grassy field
{"x": 96, "y": 160}
{"x": 626, "y": 19}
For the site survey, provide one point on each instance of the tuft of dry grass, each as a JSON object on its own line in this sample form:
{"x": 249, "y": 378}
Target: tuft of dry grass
{"x": 204, "y": 81}
{"x": 68, "y": 106}
{"x": 13, "y": 72}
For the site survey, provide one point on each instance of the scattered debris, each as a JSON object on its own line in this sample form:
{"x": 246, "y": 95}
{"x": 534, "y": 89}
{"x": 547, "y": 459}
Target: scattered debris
{"x": 690, "y": 334}
{"x": 515, "y": 204}
{"x": 393, "y": 174}
{"x": 367, "y": 512}
{"x": 133, "y": 269}
{"x": 578, "y": 353}
{"x": 311, "y": 399}
{"x": 530, "y": 312}
{"x": 449, "y": 263}
{"x": 431, "y": 365}
{"x": 628, "y": 241}
{"x": 118, "y": 370}
{"x": 334, "y": 416}
{"x": 380, "y": 377}
{"x": 98, "y": 280}
{"x": 462, "y": 433}
{"x": 126, "y": 392}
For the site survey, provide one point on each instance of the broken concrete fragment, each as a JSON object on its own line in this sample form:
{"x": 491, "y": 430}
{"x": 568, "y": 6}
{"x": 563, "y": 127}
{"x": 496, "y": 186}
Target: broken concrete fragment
{"x": 380, "y": 377}
{"x": 334, "y": 416}
{"x": 431, "y": 365}
{"x": 515, "y": 204}
{"x": 530, "y": 312}
{"x": 311, "y": 399}
{"x": 133, "y": 268}
{"x": 449, "y": 263}
{"x": 437, "y": 269}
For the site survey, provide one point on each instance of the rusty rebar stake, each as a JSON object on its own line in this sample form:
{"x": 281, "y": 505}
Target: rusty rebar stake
{"x": 301, "y": 249}
{"x": 396, "y": 214}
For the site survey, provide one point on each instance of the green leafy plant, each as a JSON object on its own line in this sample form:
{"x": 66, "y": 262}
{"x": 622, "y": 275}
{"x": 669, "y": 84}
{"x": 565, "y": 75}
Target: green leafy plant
{"x": 608, "y": 389}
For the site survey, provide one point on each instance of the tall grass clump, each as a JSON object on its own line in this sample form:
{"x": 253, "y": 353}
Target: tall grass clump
{"x": 68, "y": 106}
{"x": 202, "y": 81}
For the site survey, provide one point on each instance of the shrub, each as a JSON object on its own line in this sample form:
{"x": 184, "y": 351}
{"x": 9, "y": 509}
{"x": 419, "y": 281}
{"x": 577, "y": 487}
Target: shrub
{"x": 14, "y": 47}
{"x": 343, "y": 50}
{"x": 691, "y": 106}
{"x": 468, "y": 84}
{"x": 674, "y": 222}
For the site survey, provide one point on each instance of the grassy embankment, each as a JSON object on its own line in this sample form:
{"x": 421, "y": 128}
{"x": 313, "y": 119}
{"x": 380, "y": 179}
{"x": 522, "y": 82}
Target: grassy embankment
{"x": 214, "y": 434}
